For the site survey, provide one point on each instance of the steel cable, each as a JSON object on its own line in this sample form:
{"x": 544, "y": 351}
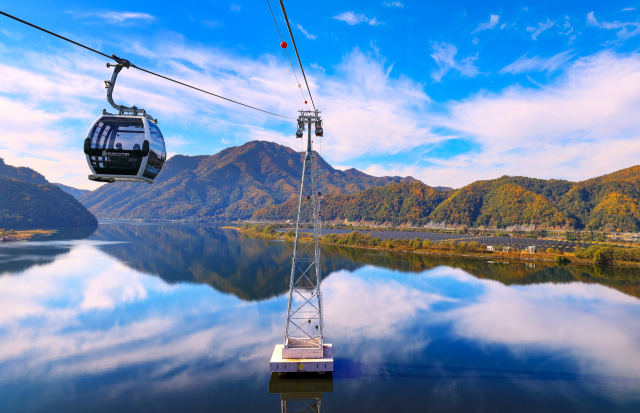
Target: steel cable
{"x": 286, "y": 19}
{"x": 287, "y": 52}
{"x": 115, "y": 58}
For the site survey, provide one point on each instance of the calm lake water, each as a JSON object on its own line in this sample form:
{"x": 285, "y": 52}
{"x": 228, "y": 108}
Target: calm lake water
{"x": 162, "y": 317}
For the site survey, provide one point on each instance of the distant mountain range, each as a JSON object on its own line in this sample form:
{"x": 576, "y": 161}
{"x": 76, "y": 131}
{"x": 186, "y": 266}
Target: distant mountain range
{"x": 29, "y": 201}
{"x": 77, "y": 193}
{"x": 609, "y": 202}
{"x": 261, "y": 180}
{"x": 229, "y": 185}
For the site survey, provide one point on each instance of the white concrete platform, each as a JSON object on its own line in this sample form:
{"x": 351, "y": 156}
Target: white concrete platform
{"x": 308, "y": 365}
{"x": 302, "y": 353}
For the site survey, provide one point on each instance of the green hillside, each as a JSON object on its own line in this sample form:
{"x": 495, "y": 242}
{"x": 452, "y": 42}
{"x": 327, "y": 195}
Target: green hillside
{"x": 29, "y": 206}
{"x": 392, "y": 204}
{"x": 231, "y": 184}
{"x": 501, "y": 203}
{"x": 610, "y": 202}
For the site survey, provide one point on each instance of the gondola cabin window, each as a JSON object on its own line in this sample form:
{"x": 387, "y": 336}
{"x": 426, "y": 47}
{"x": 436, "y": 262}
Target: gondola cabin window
{"x": 157, "y": 152}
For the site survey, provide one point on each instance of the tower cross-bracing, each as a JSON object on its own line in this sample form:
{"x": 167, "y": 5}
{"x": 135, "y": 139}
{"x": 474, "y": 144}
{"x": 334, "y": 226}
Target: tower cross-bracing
{"x": 303, "y": 327}
{"x": 303, "y": 347}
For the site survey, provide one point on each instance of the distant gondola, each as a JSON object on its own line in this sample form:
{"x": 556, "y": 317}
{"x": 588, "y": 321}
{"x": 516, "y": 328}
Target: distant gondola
{"x": 128, "y": 146}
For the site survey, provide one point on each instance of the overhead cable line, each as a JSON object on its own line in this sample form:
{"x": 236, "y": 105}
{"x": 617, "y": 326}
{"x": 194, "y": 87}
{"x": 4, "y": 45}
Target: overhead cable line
{"x": 287, "y": 52}
{"x": 286, "y": 19}
{"x": 126, "y": 63}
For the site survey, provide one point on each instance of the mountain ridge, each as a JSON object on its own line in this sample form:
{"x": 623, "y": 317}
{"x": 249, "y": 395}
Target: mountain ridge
{"x": 229, "y": 185}
{"x": 610, "y": 202}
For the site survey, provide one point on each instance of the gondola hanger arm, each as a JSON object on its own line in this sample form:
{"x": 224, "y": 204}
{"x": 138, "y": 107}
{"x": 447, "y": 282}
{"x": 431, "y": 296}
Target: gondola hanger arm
{"x": 110, "y": 84}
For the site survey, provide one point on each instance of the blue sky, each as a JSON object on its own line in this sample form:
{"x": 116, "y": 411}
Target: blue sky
{"x": 448, "y": 93}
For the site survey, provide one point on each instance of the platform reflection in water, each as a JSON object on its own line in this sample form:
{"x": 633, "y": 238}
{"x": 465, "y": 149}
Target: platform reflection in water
{"x": 302, "y": 392}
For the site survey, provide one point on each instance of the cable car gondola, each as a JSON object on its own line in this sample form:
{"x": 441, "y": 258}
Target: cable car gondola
{"x": 319, "y": 130}
{"x": 128, "y": 146}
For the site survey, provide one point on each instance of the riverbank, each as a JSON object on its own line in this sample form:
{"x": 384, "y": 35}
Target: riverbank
{"x": 15, "y": 236}
{"x": 449, "y": 249}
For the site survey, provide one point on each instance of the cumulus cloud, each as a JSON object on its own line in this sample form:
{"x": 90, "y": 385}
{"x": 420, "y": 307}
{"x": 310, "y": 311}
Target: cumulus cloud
{"x": 393, "y": 4}
{"x": 542, "y": 26}
{"x": 623, "y": 32}
{"x": 352, "y": 19}
{"x": 539, "y": 64}
{"x": 493, "y": 20}
{"x": 444, "y": 56}
{"x": 113, "y": 17}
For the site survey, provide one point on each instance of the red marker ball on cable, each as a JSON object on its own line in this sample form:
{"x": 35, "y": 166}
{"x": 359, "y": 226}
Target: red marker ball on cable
{"x": 305, "y": 102}
{"x": 283, "y": 45}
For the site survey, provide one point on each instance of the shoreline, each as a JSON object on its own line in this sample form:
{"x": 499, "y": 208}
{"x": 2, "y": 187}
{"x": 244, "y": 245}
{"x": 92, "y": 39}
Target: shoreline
{"x": 17, "y": 236}
{"x": 512, "y": 256}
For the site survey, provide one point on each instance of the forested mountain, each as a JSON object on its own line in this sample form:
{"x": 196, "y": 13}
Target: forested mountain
{"x": 29, "y": 206}
{"x": 259, "y": 179}
{"x": 232, "y": 184}
{"x": 393, "y": 204}
{"x": 21, "y": 173}
{"x": 502, "y": 202}
{"x": 29, "y": 201}
{"x": 610, "y": 202}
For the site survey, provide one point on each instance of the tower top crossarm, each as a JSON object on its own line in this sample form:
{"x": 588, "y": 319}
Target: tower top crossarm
{"x": 309, "y": 115}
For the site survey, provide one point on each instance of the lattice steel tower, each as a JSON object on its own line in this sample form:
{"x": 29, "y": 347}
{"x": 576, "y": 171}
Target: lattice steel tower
{"x": 303, "y": 337}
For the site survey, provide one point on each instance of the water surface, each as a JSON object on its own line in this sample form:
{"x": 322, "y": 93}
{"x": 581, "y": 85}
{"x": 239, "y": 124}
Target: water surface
{"x": 173, "y": 317}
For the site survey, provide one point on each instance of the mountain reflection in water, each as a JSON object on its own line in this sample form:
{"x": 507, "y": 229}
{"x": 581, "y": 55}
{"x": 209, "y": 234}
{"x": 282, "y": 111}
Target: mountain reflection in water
{"x": 212, "y": 255}
{"x": 184, "y": 317}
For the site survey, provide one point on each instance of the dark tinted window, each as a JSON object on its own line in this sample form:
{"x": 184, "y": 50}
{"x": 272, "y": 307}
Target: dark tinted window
{"x": 114, "y": 135}
{"x": 109, "y": 132}
{"x": 157, "y": 152}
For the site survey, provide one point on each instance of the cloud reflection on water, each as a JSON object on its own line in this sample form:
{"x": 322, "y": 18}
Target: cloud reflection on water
{"x": 87, "y": 314}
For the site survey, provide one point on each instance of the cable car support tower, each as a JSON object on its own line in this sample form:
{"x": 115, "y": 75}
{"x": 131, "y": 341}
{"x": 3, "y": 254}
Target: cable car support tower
{"x": 303, "y": 348}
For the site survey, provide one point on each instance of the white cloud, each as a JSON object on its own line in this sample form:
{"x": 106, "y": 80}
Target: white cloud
{"x": 352, "y": 19}
{"x": 567, "y": 26}
{"x": 306, "y": 33}
{"x": 393, "y": 4}
{"x": 558, "y": 130}
{"x": 475, "y": 40}
{"x": 623, "y": 33}
{"x": 493, "y": 20}
{"x": 235, "y": 7}
{"x": 121, "y": 18}
{"x": 628, "y": 9}
{"x": 444, "y": 56}
{"x": 11, "y": 35}
{"x": 581, "y": 125}
{"x": 538, "y": 64}
{"x": 541, "y": 27}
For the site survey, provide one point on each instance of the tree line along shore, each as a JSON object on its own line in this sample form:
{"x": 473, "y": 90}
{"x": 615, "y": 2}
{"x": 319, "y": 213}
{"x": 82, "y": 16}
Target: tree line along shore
{"x": 598, "y": 254}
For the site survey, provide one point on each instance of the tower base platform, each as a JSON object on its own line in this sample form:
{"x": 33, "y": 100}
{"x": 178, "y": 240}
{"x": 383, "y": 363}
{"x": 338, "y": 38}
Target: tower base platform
{"x": 301, "y": 365}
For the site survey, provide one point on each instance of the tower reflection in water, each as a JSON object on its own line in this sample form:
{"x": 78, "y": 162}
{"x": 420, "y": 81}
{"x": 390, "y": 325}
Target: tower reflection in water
{"x": 301, "y": 392}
